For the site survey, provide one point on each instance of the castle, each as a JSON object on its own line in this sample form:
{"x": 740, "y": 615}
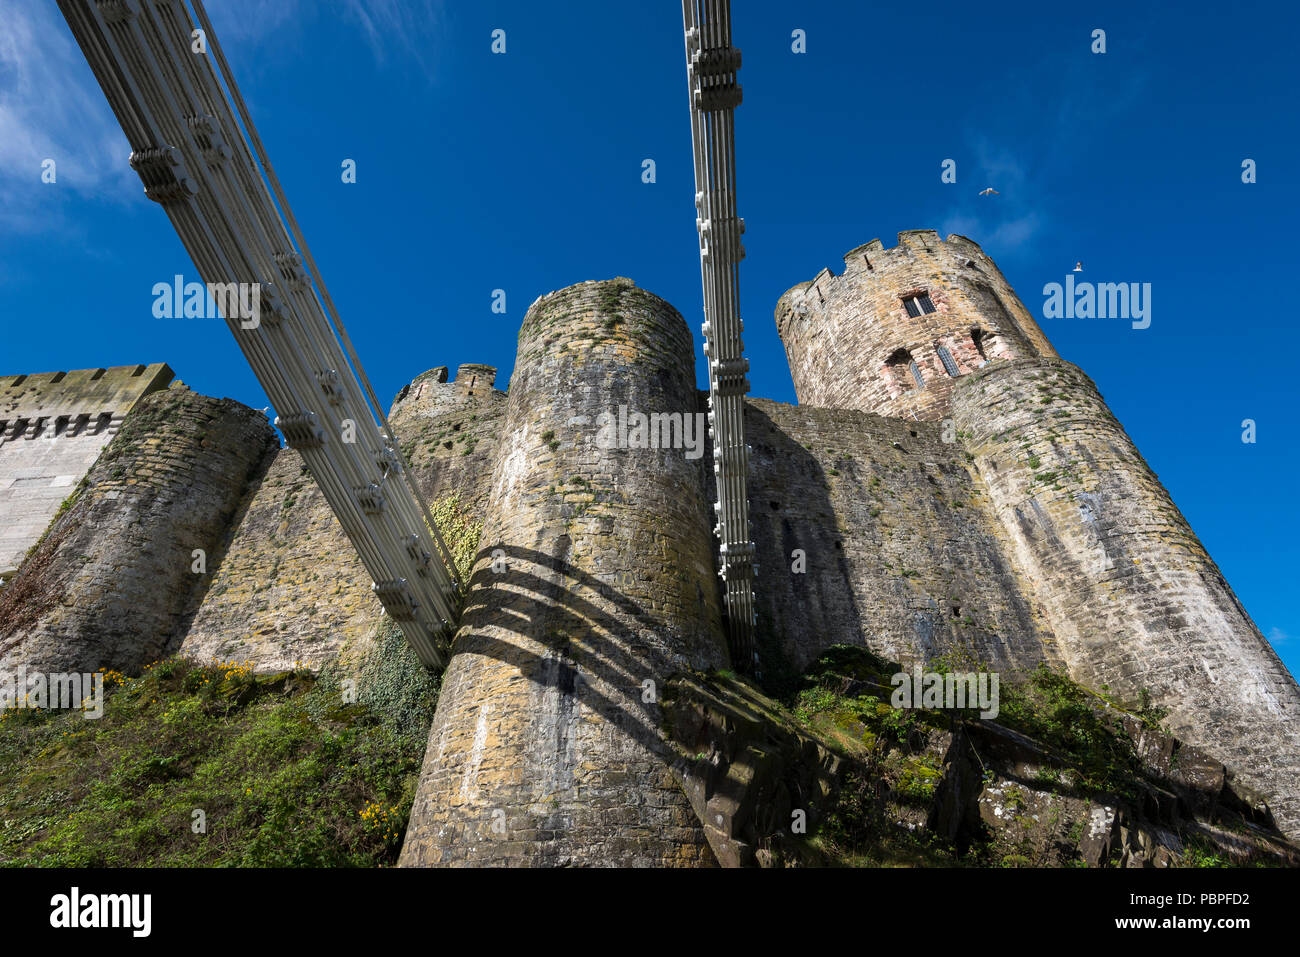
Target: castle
{"x": 946, "y": 485}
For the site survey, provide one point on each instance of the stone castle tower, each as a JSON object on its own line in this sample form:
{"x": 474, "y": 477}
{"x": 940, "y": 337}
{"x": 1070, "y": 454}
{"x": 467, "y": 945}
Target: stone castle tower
{"x": 946, "y": 485}
{"x": 931, "y": 330}
{"x": 895, "y": 331}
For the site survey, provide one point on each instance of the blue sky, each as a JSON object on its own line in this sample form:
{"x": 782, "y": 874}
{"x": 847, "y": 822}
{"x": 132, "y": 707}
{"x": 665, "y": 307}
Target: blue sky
{"x": 523, "y": 172}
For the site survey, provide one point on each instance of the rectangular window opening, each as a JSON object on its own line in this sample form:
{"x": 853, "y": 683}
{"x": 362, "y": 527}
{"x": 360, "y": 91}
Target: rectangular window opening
{"x": 919, "y": 305}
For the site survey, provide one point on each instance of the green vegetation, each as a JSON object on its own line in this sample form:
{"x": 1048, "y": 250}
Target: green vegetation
{"x": 1200, "y": 854}
{"x": 210, "y": 765}
{"x": 288, "y": 770}
{"x": 1065, "y": 716}
{"x": 894, "y": 768}
{"x": 459, "y": 532}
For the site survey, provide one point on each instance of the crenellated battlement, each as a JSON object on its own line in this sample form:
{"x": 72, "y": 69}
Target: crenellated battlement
{"x": 891, "y": 331}
{"x": 471, "y": 377}
{"x": 53, "y": 426}
{"x": 50, "y": 395}
{"x": 956, "y": 252}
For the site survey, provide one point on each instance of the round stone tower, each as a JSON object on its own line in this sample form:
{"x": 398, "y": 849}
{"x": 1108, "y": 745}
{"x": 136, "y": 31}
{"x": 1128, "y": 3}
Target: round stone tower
{"x": 1133, "y": 597}
{"x": 931, "y": 329}
{"x": 899, "y": 326}
{"x": 122, "y": 567}
{"x": 594, "y": 585}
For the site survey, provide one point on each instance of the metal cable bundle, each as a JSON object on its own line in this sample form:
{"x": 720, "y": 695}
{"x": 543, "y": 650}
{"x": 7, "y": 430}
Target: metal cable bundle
{"x": 190, "y": 138}
{"x": 712, "y": 67}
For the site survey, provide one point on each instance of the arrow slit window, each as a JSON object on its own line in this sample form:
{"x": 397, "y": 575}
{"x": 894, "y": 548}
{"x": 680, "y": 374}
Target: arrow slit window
{"x": 949, "y": 366}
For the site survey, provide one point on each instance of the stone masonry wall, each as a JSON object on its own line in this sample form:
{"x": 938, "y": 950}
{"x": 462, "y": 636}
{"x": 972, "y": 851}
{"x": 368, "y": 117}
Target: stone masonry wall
{"x": 53, "y": 426}
{"x": 851, "y": 342}
{"x": 291, "y": 588}
{"x": 547, "y": 747}
{"x": 1133, "y": 597}
{"x": 113, "y": 581}
{"x": 901, "y": 550}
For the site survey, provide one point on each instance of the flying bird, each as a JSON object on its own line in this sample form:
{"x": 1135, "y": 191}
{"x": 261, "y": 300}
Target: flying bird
{"x": 989, "y": 192}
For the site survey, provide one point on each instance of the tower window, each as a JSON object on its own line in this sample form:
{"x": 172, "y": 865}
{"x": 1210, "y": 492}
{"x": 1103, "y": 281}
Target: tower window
{"x": 903, "y": 371}
{"x": 918, "y": 305}
{"x": 979, "y": 338}
{"x": 949, "y": 366}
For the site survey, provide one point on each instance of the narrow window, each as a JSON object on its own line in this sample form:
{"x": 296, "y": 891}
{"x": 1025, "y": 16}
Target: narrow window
{"x": 901, "y": 368}
{"x": 978, "y": 338}
{"x": 949, "y": 366}
{"x": 916, "y": 374}
{"x": 919, "y": 304}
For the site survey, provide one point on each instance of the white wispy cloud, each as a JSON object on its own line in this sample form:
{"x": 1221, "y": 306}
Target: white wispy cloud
{"x": 1005, "y": 221}
{"x": 402, "y": 27}
{"x": 1278, "y": 637}
{"x": 52, "y": 108}
{"x": 393, "y": 29}
{"x": 1026, "y": 179}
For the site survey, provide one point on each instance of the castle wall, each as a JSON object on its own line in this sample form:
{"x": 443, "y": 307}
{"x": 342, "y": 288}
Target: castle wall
{"x": 53, "y": 426}
{"x": 291, "y": 589}
{"x": 1133, "y": 597}
{"x": 113, "y": 581}
{"x": 851, "y": 342}
{"x": 547, "y": 747}
{"x": 901, "y": 551}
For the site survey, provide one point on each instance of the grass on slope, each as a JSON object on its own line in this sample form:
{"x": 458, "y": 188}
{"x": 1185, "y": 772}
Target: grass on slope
{"x": 210, "y": 765}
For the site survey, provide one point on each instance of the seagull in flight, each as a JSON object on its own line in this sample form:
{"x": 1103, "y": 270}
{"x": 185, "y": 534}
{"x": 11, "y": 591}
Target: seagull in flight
{"x": 990, "y": 191}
